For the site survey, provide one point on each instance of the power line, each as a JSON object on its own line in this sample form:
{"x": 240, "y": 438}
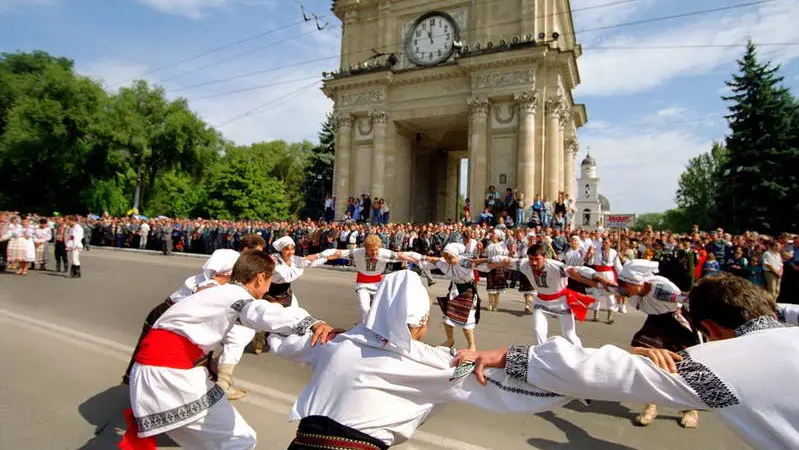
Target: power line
{"x": 264, "y": 105}
{"x": 686, "y": 46}
{"x": 208, "y": 52}
{"x": 253, "y": 88}
{"x": 238, "y": 55}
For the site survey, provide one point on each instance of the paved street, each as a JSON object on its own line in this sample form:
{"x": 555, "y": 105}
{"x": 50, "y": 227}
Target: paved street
{"x": 66, "y": 344}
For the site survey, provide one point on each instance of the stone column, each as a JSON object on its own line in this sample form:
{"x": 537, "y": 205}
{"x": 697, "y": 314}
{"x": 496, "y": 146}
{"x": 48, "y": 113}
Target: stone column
{"x": 526, "y": 169}
{"x": 379, "y": 120}
{"x": 568, "y": 166}
{"x": 478, "y": 152}
{"x": 451, "y": 206}
{"x": 553, "y": 156}
{"x": 341, "y": 188}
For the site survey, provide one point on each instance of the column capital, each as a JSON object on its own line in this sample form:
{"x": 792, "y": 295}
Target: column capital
{"x": 342, "y": 120}
{"x": 379, "y": 116}
{"x": 572, "y": 147}
{"x": 478, "y": 106}
{"x": 564, "y": 118}
{"x": 527, "y": 101}
{"x": 554, "y": 105}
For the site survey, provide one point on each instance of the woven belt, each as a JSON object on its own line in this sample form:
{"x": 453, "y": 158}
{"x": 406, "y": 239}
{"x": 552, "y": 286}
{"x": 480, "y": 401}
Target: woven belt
{"x": 332, "y": 443}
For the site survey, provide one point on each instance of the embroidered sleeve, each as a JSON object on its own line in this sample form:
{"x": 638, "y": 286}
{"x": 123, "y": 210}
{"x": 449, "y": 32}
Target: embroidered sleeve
{"x": 667, "y": 292}
{"x": 707, "y": 385}
{"x": 465, "y": 263}
{"x": 304, "y": 325}
{"x": 517, "y": 361}
{"x": 239, "y": 305}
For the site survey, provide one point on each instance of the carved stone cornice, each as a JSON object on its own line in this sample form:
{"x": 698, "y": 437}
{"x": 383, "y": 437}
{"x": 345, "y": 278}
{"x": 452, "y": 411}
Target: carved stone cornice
{"x": 478, "y": 107}
{"x": 361, "y": 98}
{"x": 379, "y": 116}
{"x": 527, "y": 101}
{"x": 554, "y": 106}
{"x": 418, "y": 76}
{"x": 524, "y": 77}
{"x": 342, "y": 121}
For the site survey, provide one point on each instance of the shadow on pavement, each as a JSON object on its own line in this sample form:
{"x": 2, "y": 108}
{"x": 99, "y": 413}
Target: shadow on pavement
{"x": 104, "y": 412}
{"x": 616, "y": 410}
{"x": 576, "y": 436}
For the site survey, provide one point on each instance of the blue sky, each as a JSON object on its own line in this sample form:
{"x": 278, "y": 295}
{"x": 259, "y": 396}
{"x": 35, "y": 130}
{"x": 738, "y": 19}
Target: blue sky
{"x": 650, "y": 109}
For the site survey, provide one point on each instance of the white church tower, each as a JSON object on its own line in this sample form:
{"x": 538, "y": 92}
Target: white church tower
{"x": 590, "y": 206}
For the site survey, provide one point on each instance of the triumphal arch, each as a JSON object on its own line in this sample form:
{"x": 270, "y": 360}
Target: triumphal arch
{"x": 424, "y": 84}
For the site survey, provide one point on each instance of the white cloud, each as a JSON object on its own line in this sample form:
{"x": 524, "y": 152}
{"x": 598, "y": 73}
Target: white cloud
{"x": 109, "y": 72}
{"x": 639, "y": 168}
{"x": 627, "y": 71}
{"x": 16, "y": 5}
{"x": 596, "y": 16}
{"x": 193, "y": 9}
{"x": 674, "y": 111}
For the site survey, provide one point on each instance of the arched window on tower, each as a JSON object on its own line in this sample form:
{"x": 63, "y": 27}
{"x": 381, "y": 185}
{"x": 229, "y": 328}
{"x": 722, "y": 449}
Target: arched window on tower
{"x": 587, "y": 191}
{"x": 586, "y": 217}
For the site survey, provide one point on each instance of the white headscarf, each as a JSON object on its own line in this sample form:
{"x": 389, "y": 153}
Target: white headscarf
{"x": 638, "y": 271}
{"x": 282, "y": 243}
{"x": 499, "y": 234}
{"x": 454, "y": 249}
{"x": 220, "y": 263}
{"x": 401, "y": 300}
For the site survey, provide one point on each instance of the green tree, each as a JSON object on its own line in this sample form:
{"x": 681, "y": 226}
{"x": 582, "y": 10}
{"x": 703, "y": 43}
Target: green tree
{"x": 319, "y": 175}
{"x": 654, "y": 220}
{"x": 761, "y": 190}
{"x": 238, "y": 189}
{"x": 177, "y": 194}
{"x": 699, "y": 185}
{"x": 47, "y": 145}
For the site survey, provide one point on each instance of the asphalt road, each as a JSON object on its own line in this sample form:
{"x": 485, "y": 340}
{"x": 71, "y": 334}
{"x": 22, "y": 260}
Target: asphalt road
{"x": 66, "y": 343}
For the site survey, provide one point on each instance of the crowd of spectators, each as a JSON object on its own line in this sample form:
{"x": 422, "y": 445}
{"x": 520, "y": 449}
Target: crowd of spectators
{"x": 767, "y": 261}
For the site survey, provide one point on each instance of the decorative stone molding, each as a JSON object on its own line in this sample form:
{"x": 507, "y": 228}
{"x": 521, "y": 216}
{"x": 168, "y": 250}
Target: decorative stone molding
{"x": 564, "y": 119}
{"x": 511, "y": 113}
{"x": 554, "y": 106}
{"x": 572, "y": 147}
{"x": 504, "y": 79}
{"x": 365, "y": 127}
{"x": 379, "y": 117}
{"x": 527, "y": 101}
{"x": 359, "y": 98}
{"x": 342, "y": 120}
{"x": 478, "y": 106}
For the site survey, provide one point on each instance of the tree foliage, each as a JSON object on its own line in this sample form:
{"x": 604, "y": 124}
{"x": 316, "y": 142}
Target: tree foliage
{"x": 760, "y": 189}
{"x": 699, "y": 185}
{"x": 319, "y": 175}
{"x": 67, "y": 145}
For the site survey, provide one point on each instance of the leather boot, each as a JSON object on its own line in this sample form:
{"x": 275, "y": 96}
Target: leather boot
{"x": 77, "y": 271}
{"x": 596, "y": 313}
{"x": 58, "y": 266}
{"x": 71, "y": 272}
{"x": 610, "y": 320}
{"x": 259, "y": 342}
{"x": 225, "y": 381}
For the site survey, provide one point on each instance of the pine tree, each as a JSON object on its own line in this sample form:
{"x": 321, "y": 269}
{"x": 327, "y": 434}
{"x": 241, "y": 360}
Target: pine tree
{"x": 319, "y": 174}
{"x": 760, "y": 190}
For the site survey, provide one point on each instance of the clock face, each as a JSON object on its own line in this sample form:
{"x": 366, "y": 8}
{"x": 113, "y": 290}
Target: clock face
{"x": 430, "y": 39}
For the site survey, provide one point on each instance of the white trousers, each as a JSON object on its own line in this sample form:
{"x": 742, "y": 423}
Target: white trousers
{"x": 222, "y": 429}
{"x": 234, "y": 343}
{"x": 567, "y": 328}
{"x": 366, "y": 293}
{"x": 143, "y": 241}
{"x": 602, "y": 296}
{"x": 74, "y": 257}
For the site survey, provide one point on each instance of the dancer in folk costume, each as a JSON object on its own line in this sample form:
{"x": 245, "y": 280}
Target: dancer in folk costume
{"x": 21, "y": 249}
{"x": 375, "y": 384}
{"x": 74, "y": 246}
{"x": 746, "y": 374}
{"x": 497, "y": 276}
{"x": 461, "y": 306}
{"x": 370, "y": 261}
{"x": 550, "y": 279}
{"x": 288, "y": 268}
{"x": 41, "y": 240}
{"x": 60, "y": 247}
{"x": 667, "y": 325}
{"x": 170, "y": 387}
{"x": 525, "y": 286}
{"x": 608, "y": 265}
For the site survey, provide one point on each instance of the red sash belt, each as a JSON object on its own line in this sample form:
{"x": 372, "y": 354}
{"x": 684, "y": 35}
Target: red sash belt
{"x": 160, "y": 348}
{"x": 363, "y": 278}
{"x": 577, "y": 302}
{"x": 606, "y": 269}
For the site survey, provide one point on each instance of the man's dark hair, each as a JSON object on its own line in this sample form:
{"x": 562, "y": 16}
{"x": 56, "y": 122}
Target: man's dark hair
{"x": 250, "y": 264}
{"x": 728, "y": 300}
{"x": 539, "y": 249}
{"x": 42, "y": 221}
{"x": 251, "y": 242}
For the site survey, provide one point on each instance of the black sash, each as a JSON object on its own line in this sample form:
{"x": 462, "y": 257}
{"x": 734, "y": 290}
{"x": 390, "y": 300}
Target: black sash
{"x": 316, "y": 432}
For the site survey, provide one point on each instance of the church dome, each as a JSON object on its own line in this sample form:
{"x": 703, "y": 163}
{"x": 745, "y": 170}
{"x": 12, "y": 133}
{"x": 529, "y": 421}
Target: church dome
{"x": 604, "y": 203}
{"x": 588, "y": 161}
